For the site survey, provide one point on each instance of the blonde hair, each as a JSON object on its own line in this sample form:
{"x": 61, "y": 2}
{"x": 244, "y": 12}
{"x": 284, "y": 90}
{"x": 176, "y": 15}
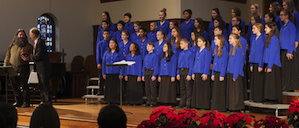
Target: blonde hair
{"x": 222, "y": 39}
{"x": 233, "y": 51}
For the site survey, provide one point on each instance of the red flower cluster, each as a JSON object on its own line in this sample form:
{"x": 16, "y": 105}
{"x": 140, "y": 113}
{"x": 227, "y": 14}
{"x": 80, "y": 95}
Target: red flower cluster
{"x": 270, "y": 122}
{"x": 213, "y": 118}
{"x": 189, "y": 117}
{"x": 239, "y": 120}
{"x": 294, "y": 113}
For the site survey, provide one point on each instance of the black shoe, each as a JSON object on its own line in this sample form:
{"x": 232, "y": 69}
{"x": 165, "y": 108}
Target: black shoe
{"x": 17, "y": 104}
{"x": 25, "y": 105}
{"x": 180, "y": 106}
{"x": 145, "y": 105}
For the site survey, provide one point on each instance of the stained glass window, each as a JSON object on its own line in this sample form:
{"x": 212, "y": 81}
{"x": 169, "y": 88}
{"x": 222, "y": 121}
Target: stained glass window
{"x": 46, "y": 26}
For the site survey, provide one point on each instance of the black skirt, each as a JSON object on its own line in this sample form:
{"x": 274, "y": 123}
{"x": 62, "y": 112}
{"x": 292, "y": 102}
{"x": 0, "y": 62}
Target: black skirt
{"x": 289, "y": 72}
{"x": 273, "y": 87}
{"x": 134, "y": 91}
{"x": 167, "y": 90}
{"x": 234, "y": 91}
{"x": 112, "y": 93}
{"x": 218, "y": 93}
{"x": 257, "y": 84}
{"x": 201, "y": 93}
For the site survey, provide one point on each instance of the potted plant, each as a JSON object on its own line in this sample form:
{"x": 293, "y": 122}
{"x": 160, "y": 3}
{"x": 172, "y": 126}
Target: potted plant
{"x": 239, "y": 120}
{"x": 270, "y": 122}
{"x": 189, "y": 118}
{"x": 294, "y": 113}
{"x": 213, "y": 119}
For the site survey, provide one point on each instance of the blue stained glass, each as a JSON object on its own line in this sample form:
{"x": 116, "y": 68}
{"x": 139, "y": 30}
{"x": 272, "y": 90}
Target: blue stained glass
{"x": 45, "y": 25}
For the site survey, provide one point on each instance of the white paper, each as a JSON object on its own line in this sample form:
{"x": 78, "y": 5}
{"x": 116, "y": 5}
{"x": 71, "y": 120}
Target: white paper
{"x": 125, "y": 62}
{"x": 33, "y": 79}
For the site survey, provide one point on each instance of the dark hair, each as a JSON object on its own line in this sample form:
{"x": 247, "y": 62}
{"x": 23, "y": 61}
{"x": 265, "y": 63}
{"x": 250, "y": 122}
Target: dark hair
{"x": 177, "y": 46}
{"x": 220, "y": 28}
{"x": 8, "y": 115}
{"x": 164, "y": 35}
{"x": 44, "y": 116}
{"x": 108, "y": 18}
{"x": 143, "y": 29}
{"x": 291, "y": 5}
{"x": 204, "y": 39}
{"x": 271, "y": 15}
{"x": 277, "y": 8}
{"x": 274, "y": 31}
{"x": 126, "y": 32}
{"x": 218, "y": 13}
{"x": 175, "y": 23}
{"x": 105, "y": 21}
{"x": 106, "y": 30}
{"x": 238, "y": 27}
{"x": 200, "y": 26}
{"x": 237, "y": 11}
{"x": 121, "y": 22}
{"x": 128, "y": 14}
{"x": 257, "y": 18}
{"x": 222, "y": 40}
{"x": 188, "y": 10}
{"x": 137, "y": 23}
{"x": 164, "y": 11}
{"x": 287, "y": 12}
{"x": 169, "y": 52}
{"x": 112, "y": 116}
{"x": 151, "y": 43}
{"x": 117, "y": 48}
{"x": 220, "y": 20}
{"x": 137, "y": 52}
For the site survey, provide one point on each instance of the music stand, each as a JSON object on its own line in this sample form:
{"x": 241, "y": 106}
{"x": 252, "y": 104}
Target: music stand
{"x": 7, "y": 71}
{"x": 121, "y": 64}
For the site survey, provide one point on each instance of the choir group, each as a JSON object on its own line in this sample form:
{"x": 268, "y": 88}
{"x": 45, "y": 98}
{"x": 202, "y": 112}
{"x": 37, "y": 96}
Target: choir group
{"x": 209, "y": 69}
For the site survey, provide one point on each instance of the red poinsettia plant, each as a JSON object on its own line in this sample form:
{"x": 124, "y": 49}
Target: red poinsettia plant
{"x": 270, "y": 122}
{"x": 239, "y": 120}
{"x": 294, "y": 113}
{"x": 213, "y": 119}
{"x": 162, "y": 117}
{"x": 189, "y": 118}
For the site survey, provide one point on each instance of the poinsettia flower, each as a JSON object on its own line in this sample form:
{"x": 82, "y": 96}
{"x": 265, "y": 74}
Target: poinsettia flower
{"x": 216, "y": 122}
{"x": 204, "y": 120}
{"x": 248, "y": 120}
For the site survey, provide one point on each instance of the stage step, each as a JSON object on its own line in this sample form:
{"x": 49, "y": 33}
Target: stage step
{"x": 290, "y": 93}
{"x": 98, "y": 97}
{"x": 269, "y": 106}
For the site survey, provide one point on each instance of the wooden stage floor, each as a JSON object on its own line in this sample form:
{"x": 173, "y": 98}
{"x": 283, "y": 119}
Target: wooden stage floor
{"x": 74, "y": 113}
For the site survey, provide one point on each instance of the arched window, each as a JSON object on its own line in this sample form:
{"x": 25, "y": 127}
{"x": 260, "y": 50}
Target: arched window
{"x": 46, "y": 26}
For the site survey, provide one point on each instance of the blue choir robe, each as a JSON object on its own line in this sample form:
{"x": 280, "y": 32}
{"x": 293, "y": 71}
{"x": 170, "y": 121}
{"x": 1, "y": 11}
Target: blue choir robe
{"x": 244, "y": 47}
{"x": 111, "y": 28}
{"x": 135, "y": 69}
{"x": 168, "y": 68}
{"x": 176, "y": 52}
{"x": 287, "y": 37}
{"x": 202, "y": 62}
{"x": 230, "y": 26}
{"x": 296, "y": 23}
{"x": 186, "y": 29}
{"x": 278, "y": 22}
{"x": 186, "y": 60}
{"x": 110, "y": 58}
{"x": 236, "y": 63}
{"x": 272, "y": 53}
{"x": 211, "y": 29}
{"x": 213, "y": 46}
{"x": 159, "y": 48}
{"x": 193, "y": 47}
{"x": 102, "y": 47}
{"x": 129, "y": 27}
{"x": 205, "y": 34}
{"x": 125, "y": 49}
{"x": 164, "y": 27}
{"x": 151, "y": 61}
{"x": 117, "y": 36}
{"x": 142, "y": 47}
{"x": 100, "y": 35}
{"x": 220, "y": 63}
{"x": 152, "y": 36}
{"x": 256, "y": 50}
{"x": 249, "y": 31}
{"x": 169, "y": 37}
{"x": 134, "y": 37}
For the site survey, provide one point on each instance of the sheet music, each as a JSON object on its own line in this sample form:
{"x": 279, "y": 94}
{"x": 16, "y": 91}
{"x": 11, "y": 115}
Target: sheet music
{"x": 125, "y": 62}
